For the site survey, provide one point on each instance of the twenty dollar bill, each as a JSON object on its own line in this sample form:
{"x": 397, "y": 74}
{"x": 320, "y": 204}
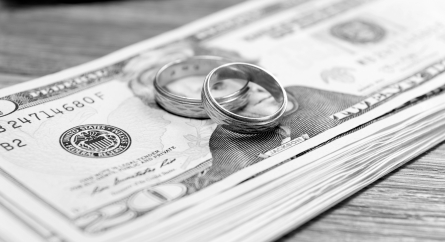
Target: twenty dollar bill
{"x": 89, "y": 150}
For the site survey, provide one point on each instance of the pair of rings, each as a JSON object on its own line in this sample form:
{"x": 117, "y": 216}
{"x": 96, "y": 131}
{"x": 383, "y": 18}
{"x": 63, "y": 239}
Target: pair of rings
{"x": 219, "y": 109}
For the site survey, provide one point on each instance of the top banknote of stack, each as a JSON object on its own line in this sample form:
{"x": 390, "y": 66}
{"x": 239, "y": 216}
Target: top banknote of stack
{"x": 346, "y": 65}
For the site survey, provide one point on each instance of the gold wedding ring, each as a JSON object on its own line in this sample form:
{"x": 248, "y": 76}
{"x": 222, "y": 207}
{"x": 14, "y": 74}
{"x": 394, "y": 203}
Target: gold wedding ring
{"x": 232, "y": 121}
{"x": 188, "y": 106}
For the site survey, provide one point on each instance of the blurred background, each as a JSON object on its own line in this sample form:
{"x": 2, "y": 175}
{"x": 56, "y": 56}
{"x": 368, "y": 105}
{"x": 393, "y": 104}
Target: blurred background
{"x": 40, "y": 2}
{"x": 45, "y": 36}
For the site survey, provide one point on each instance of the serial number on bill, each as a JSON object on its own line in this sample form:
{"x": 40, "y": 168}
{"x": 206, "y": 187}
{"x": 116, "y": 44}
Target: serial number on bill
{"x": 52, "y": 112}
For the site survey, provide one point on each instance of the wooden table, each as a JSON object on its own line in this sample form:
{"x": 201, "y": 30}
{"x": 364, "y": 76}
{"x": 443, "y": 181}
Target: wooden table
{"x": 406, "y": 205}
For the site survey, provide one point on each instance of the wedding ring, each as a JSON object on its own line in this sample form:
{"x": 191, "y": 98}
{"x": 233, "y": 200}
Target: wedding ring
{"x": 232, "y": 121}
{"x": 188, "y": 106}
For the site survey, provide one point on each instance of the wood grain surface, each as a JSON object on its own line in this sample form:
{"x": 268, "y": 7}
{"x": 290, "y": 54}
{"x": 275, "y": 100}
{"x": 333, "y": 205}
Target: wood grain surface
{"x": 406, "y": 205}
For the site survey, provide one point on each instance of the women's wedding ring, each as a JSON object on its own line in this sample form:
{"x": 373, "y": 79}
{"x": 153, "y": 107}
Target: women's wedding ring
{"x": 232, "y": 121}
{"x": 189, "y": 106}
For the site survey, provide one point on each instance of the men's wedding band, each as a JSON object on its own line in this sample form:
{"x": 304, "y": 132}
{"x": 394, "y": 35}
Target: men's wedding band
{"x": 187, "y": 106}
{"x": 232, "y": 121}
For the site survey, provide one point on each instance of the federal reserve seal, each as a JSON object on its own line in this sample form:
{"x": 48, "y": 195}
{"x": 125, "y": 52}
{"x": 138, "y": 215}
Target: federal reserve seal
{"x": 358, "y": 31}
{"x": 95, "y": 140}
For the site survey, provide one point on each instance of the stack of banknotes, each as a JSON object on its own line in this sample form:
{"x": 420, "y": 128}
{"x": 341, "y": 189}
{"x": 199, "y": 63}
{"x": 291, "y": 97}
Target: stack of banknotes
{"x": 365, "y": 95}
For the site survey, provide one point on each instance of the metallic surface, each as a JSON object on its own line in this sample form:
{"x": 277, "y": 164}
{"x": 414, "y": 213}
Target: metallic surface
{"x": 232, "y": 121}
{"x": 192, "y": 107}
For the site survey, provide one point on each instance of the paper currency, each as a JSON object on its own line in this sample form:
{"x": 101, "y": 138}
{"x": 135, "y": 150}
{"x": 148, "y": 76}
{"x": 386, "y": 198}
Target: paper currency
{"x": 299, "y": 190}
{"x": 89, "y": 149}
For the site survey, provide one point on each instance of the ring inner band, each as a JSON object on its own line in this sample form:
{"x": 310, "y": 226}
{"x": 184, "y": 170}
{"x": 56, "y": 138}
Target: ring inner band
{"x": 253, "y": 74}
{"x": 198, "y": 66}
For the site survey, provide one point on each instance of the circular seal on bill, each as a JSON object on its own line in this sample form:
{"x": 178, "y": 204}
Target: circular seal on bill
{"x": 95, "y": 140}
{"x": 358, "y": 31}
